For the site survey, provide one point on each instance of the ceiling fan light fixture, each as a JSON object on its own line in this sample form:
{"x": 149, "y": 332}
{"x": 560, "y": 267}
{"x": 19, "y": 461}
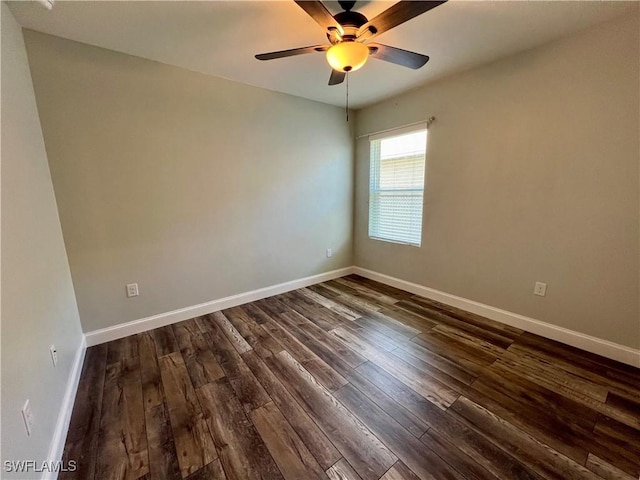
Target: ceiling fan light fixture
{"x": 347, "y": 56}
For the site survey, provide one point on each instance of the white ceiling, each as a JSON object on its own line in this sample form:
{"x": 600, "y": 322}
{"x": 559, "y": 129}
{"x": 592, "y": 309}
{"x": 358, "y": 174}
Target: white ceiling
{"x": 220, "y": 38}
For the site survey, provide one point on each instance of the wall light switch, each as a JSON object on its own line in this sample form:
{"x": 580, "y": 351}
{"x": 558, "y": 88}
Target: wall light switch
{"x": 132, "y": 290}
{"x": 329, "y": 253}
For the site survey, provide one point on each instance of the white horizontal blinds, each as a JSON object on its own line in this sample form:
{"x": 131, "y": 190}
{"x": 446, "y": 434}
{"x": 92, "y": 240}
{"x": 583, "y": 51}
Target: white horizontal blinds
{"x": 396, "y": 188}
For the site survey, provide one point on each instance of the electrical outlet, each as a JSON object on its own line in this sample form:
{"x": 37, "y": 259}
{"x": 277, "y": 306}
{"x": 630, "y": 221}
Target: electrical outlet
{"x": 329, "y": 253}
{"x": 27, "y": 416}
{"x": 132, "y": 290}
{"x": 54, "y": 354}
{"x": 540, "y": 289}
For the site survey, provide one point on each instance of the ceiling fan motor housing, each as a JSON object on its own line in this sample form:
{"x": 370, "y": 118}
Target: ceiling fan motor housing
{"x": 350, "y": 21}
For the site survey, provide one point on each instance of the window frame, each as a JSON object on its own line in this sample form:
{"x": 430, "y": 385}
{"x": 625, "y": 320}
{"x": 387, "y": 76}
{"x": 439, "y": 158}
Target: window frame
{"x": 374, "y": 175}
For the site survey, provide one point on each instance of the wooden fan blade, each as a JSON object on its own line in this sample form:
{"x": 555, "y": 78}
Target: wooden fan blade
{"x": 292, "y": 52}
{"x": 397, "y": 55}
{"x": 336, "y": 77}
{"x": 396, "y": 15}
{"x": 320, "y": 14}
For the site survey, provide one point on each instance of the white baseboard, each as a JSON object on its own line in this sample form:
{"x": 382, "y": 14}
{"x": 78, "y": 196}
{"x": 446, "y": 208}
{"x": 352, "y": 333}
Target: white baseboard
{"x": 103, "y": 335}
{"x": 64, "y": 417}
{"x": 591, "y": 344}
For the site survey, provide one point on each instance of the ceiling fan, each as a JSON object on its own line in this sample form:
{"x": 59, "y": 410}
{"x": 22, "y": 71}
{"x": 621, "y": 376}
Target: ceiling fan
{"x": 349, "y": 32}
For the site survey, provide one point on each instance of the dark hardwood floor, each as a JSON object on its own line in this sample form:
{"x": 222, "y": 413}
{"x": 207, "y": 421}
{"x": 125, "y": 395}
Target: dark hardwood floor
{"x": 351, "y": 379}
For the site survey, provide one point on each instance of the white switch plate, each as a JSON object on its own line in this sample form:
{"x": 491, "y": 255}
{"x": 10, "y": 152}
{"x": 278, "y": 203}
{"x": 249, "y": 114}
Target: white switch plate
{"x": 329, "y": 253}
{"x": 54, "y": 354}
{"x": 540, "y": 289}
{"x": 27, "y": 416}
{"x": 132, "y": 290}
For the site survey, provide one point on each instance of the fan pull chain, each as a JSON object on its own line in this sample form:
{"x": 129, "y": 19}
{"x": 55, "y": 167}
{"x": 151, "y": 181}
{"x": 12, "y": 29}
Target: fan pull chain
{"x": 347, "y": 102}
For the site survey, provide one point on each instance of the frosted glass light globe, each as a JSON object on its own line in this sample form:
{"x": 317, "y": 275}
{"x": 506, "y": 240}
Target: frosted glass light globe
{"x": 347, "y": 56}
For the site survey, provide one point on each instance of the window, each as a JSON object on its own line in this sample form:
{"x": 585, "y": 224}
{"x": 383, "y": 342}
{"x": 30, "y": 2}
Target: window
{"x": 396, "y": 185}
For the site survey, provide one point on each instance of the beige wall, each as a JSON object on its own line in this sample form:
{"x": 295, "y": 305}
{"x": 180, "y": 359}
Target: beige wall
{"x": 532, "y": 175}
{"x": 38, "y": 303}
{"x": 194, "y": 187}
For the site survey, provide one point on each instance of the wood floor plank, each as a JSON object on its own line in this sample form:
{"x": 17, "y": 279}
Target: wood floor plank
{"x": 366, "y": 453}
{"x": 84, "y": 426}
{"x": 313, "y": 311}
{"x": 422, "y": 383}
{"x": 237, "y": 340}
{"x": 163, "y": 459}
{"x": 618, "y": 444}
{"x": 287, "y": 449}
{"x": 447, "y": 430}
{"x": 373, "y": 338}
{"x": 623, "y": 404}
{"x": 418, "y": 405}
{"x": 122, "y": 444}
{"x": 165, "y": 341}
{"x": 367, "y": 300}
{"x": 549, "y": 375}
{"x": 485, "y": 330}
{"x": 622, "y": 385}
{"x": 328, "y": 377}
{"x": 243, "y": 320}
{"x": 242, "y": 452}
{"x": 468, "y": 317}
{"x": 256, "y": 313}
{"x": 470, "y": 340}
{"x": 419, "y": 322}
{"x": 327, "y": 302}
{"x": 537, "y": 411}
{"x": 377, "y": 296}
{"x": 350, "y": 298}
{"x": 183, "y": 332}
{"x": 212, "y": 471}
{"x": 421, "y": 460}
{"x": 356, "y": 342}
{"x": 395, "y": 410}
{"x": 536, "y": 455}
{"x": 605, "y": 367}
{"x": 197, "y": 352}
{"x": 202, "y": 365}
{"x": 152, "y": 392}
{"x": 606, "y": 470}
{"x": 400, "y": 414}
{"x": 122, "y": 349}
{"x": 465, "y": 465}
{"x": 341, "y": 470}
{"x": 315, "y": 338}
{"x": 248, "y": 390}
{"x": 586, "y": 400}
{"x": 400, "y": 472}
{"x": 453, "y": 351}
{"x": 316, "y": 441}
{"x": 327, "y": 291}
{"x": 432, "y": 370}
{"x": 383, "y": 324}
{"x": 381, "y": 287}
{"x": 315, "y": 341}
{"x": 193, "y": 442}
{"x": 436, "y": 361}
{"x": 391, "y": 323}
